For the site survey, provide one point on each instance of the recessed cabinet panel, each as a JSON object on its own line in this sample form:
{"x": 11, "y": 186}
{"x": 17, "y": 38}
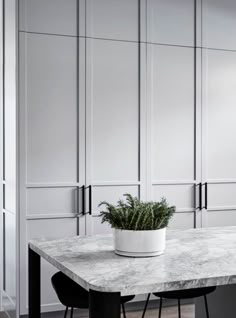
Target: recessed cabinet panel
{"x": 221, "y": 218}
{"x": 113, "y": 19}
{"x": 219, "y": 18}
{"x": 182, "y": 221}
{"x": 171, "y": 87}
{"x": 48, "y": 201}
{"x": 9, "y": 201}
{"x": 221, "y": 115}
{"x": 113, "y": 110}
{"x": 49, "y": 16}
{"x": 181, "y": 196}
{"x": 222, "y": 195}
{"x": 170, "y": 22}
{"x": 48, "y": 70}
{"x": 51, "y": 229}
{"x": 43, "y": 228}
{"x": 10, "y": 254}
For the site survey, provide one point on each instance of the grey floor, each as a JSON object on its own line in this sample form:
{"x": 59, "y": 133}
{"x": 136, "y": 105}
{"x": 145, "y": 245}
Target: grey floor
{"x": 168, "y": 312}
{"x": 187, "y": 311}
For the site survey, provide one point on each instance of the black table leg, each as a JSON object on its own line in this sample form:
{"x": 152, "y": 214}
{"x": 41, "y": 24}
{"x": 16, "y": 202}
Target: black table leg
{"x": 34, "y": 285}
{"x": 104, "y": 305}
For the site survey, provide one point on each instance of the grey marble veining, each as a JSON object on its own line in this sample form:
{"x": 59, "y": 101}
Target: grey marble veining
{"x": 193, "y": 258}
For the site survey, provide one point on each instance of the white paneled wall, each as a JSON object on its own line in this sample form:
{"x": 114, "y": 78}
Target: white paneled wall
{"x": 123, "y": 96}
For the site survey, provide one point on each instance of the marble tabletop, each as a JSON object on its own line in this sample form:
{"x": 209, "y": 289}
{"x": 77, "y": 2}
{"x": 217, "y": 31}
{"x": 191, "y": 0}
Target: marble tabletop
{"x": 193, "y": 258}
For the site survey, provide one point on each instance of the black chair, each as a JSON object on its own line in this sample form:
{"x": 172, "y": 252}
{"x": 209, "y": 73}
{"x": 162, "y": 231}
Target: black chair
{"x": 182, "y": 294}
{"x": 71, "y": 295}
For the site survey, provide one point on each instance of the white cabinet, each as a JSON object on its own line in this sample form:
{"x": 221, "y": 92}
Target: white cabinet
{"x": 50, "y": 228}
{"x": 172, "y": 70}
{"x": 220, "y": 103}
{"x": 113, "y": 109}
{"x": 113, "y": 112}
{"x": 219, "y": 133}
{"x": 49, "y": 67}
{"x": 172, "y": 128}
{"x": 219, "y": 80}
{"x": 52, "y": 145}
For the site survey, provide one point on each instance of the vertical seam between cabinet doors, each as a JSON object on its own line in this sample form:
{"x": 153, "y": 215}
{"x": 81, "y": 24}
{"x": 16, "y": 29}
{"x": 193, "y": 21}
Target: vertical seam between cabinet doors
{"x": 201, "y": 99}
{"x": 195, "y": 109}
{"x": 195, "y": 87}
{"x": 3, "y": 92}
{"x": 17, "y": 217}
{"x": 86, "y": 117}
{"x": 77, "y": 114}
{"x": 77, "y": 91}
{"x": 139, "y": 95}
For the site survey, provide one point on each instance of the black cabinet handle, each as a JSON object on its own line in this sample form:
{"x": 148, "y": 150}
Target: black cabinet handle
{"x": 81, "y": 195}
{"x": 83, "y": 199}
{"x": 200, "y": 196}
{"x": 206, "y": 195}
{"x": 90, "y": 200}
{"x": 84, "y": 205}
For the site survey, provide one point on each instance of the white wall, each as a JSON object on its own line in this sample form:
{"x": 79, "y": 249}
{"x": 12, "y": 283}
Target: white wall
{"x": 9, "y": 159}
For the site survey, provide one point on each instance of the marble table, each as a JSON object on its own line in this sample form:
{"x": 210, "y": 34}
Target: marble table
{"x": 193, "y": 258}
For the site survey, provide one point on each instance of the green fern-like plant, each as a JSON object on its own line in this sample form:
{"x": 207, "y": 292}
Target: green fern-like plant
{"x": 133, "y": 214}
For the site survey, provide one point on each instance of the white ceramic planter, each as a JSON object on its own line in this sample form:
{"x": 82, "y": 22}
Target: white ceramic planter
{"x": 139, "y": 243}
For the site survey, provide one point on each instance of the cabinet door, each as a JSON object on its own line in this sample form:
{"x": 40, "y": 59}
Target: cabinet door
{"x": 52, "y": 122}
{"x": 171, "y": 22}
{"x": 112, "y": 135}
{"x": 51, "y": 229}
{"x": 220, "y": 136}
{"x": 219, "y": 24}
{"x": 64, "y": 17}
{"x": 113, "y": 19}
{"x": 172, "y": 130}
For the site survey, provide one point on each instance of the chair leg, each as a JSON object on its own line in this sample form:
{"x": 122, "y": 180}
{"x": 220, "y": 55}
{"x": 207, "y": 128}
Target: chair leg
{"x": 206, "y": 306}
{"x": 160, "y": 308}
{"x": 65, "y": 315}
{"x": 123, "y": 309}
{"x": 179, "y": 309}
{"x": 146, "y": 304}
{"x": 71, "y": 313}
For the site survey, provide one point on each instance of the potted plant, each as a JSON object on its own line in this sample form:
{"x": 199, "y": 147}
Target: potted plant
{"x": 139, "y": 227}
